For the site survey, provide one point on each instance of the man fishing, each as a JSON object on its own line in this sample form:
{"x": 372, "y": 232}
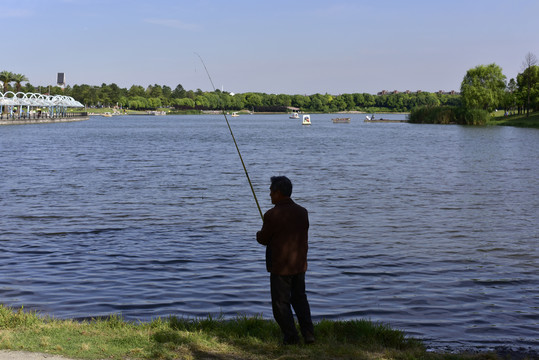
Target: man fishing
{"x": 285, "y": 234}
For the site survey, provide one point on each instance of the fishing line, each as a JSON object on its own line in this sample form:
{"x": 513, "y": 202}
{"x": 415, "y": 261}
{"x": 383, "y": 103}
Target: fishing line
{"x": 233, "y": 138}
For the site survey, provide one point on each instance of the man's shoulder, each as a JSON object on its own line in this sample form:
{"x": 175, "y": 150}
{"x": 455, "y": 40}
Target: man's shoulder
{"x": 295, "y": 207}
{"x": 286, "y": 204}
{"x": 298, "y": 206}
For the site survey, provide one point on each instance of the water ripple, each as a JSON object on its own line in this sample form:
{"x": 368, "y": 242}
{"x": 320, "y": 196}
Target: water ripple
{"x": 431, "y": 229}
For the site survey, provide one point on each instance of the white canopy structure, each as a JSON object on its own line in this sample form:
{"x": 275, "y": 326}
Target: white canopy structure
{"x": 54, "y": 105}
{"x": 35, "y": 99}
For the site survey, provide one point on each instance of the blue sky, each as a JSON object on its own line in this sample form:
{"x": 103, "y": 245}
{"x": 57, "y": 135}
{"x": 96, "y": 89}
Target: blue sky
{"x": 273, "y": 46}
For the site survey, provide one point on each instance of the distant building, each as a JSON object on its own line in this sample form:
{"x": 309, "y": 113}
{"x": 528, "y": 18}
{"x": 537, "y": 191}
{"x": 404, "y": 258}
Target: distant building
{"x": 439, "y": 92}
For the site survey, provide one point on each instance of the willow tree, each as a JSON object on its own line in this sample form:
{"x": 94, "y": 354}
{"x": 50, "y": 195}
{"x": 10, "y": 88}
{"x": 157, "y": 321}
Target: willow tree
{"x": 483, "y": 87}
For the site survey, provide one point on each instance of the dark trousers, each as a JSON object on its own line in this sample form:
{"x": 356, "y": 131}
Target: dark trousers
{"x": 286, "y": 291}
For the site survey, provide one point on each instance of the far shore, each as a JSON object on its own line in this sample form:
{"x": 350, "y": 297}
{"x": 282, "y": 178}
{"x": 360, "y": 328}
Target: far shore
{"x": 498, "y": 117}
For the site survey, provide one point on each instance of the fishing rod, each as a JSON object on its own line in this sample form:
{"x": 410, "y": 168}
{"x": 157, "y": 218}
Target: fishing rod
{"x": 233, "y": 138}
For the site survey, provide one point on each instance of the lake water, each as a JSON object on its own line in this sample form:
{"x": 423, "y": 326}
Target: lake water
{"x": 431, "y": 229}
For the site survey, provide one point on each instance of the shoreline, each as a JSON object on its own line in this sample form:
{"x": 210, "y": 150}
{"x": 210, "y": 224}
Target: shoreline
{"x": 43, "y": 120}
{"x": 22, "y": 337}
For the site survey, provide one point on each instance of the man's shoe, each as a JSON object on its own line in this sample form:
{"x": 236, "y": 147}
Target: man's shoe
{"x": 291, "y": 341}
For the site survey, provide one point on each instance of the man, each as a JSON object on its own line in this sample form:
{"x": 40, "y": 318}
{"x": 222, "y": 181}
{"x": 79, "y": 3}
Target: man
{"x": 284, "y": 233}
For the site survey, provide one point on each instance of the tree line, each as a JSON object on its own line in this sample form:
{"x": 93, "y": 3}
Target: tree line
{"x": 157, "y": 96}
{"x": 483, "y": 87}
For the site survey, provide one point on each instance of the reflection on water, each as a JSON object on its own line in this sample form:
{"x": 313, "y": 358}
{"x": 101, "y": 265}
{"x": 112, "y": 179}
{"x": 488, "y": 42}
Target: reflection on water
{"x": 431, "y": 229}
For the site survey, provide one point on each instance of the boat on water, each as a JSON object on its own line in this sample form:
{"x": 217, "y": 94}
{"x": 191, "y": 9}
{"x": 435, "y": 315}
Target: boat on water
{"x": 369, "y": 118}
{"x": 107, "y": 114}
{"x": 306, "y": 120}
{"x": 157, "y": 113}
{"x": 294, "y": 116}
{"x": 340, "y": 120}
{"x": 235, "y": 114}
{"x": 373, "y": 119}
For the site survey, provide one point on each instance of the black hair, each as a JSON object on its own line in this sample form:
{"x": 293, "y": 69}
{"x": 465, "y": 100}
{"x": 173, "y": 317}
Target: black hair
{"x": 282, "y": 184}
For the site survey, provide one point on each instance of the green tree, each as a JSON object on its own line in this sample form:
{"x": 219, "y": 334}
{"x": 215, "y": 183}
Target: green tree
{"x": 123, "y": 101}
{"x": 350, "y": 102}
{"x": 184, "y": 103}
{"x": 154, "y": 103}
{"x": 213, "y": 100}
{"x": 237, "y": 101}
{"x": 18, "y": 79}
{"x": 528, "y": 87}
{"x": 510, "y": 99}
{"x": 431, "y": 99}
{"x": 29, "y": 88}
{"x": 381, "y": 100}
{"x": 155, "y": 91}
{"x": 338, "y": 104}
{"x": 368, "y": 100}
{"x": 529, "y": 79}
{"x": 167, "y": 92}
{"x": 483, "y": 87}
{"x": 136, "y": 90}
{"x": 93, "y": 95}
{"x": 201, "y": 102}
{"x": 179, "y": 92}
{"x": 253, "y": 100}
{"x": 115, "y": 93}
{"x": 359, "y": 100}
{"x": 138, "y": 102}
{"x": 283, "y": 100}
{"x": 82, "y": 93}
{"x": 55, "y": 90}
{"x": 300, "y": 101}
{"x": 6, "y": 77}
{"x": 320, "y": 102}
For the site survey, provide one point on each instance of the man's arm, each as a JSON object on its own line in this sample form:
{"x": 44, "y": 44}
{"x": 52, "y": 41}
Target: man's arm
{"x": 264, "y": 235}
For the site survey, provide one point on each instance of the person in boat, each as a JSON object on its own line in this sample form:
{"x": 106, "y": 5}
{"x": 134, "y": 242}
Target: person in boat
{"x": 285, "y": 235}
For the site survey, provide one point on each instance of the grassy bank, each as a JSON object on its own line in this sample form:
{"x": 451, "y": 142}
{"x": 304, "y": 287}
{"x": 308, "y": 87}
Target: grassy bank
{"x": 462, "y": 116}
{"x": 175, "y": 338}
{"x": 515, "y": 120}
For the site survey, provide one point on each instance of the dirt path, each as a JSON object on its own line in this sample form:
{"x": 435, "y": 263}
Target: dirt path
{"x": 23, "y": 355}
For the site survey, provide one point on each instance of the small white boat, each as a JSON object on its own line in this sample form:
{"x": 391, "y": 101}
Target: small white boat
{"x": 382, "y": 120}
{"x": 306, "y": 120}
{"x": 234, "y": 114}
{"x": 294, "y": 116}
{"x": 157, "y": 113}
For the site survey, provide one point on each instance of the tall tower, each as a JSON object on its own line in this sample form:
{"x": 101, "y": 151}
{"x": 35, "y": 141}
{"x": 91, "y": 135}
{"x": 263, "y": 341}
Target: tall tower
{"x": 61, "y": 81}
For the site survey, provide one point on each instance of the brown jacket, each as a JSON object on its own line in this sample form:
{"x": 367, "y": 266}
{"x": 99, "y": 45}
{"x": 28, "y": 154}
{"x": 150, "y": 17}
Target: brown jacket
{"x": 285, "y": 233}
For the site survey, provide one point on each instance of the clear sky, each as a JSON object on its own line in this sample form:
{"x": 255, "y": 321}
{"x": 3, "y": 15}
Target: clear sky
{"x": 271, "y": 46}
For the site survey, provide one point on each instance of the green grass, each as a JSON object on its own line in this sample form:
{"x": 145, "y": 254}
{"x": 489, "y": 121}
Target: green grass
{"x": 177, "y": 338}
{"x": 515, "y": 120}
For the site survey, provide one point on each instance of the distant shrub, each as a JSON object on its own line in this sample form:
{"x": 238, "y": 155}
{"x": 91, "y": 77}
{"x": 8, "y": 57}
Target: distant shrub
{"x": 472, "y": 116}
{"x": 448, "y": 115}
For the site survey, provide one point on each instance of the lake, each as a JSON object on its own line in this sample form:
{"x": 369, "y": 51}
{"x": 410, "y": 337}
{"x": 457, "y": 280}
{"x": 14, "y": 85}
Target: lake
{"x": 431, "y": 229}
